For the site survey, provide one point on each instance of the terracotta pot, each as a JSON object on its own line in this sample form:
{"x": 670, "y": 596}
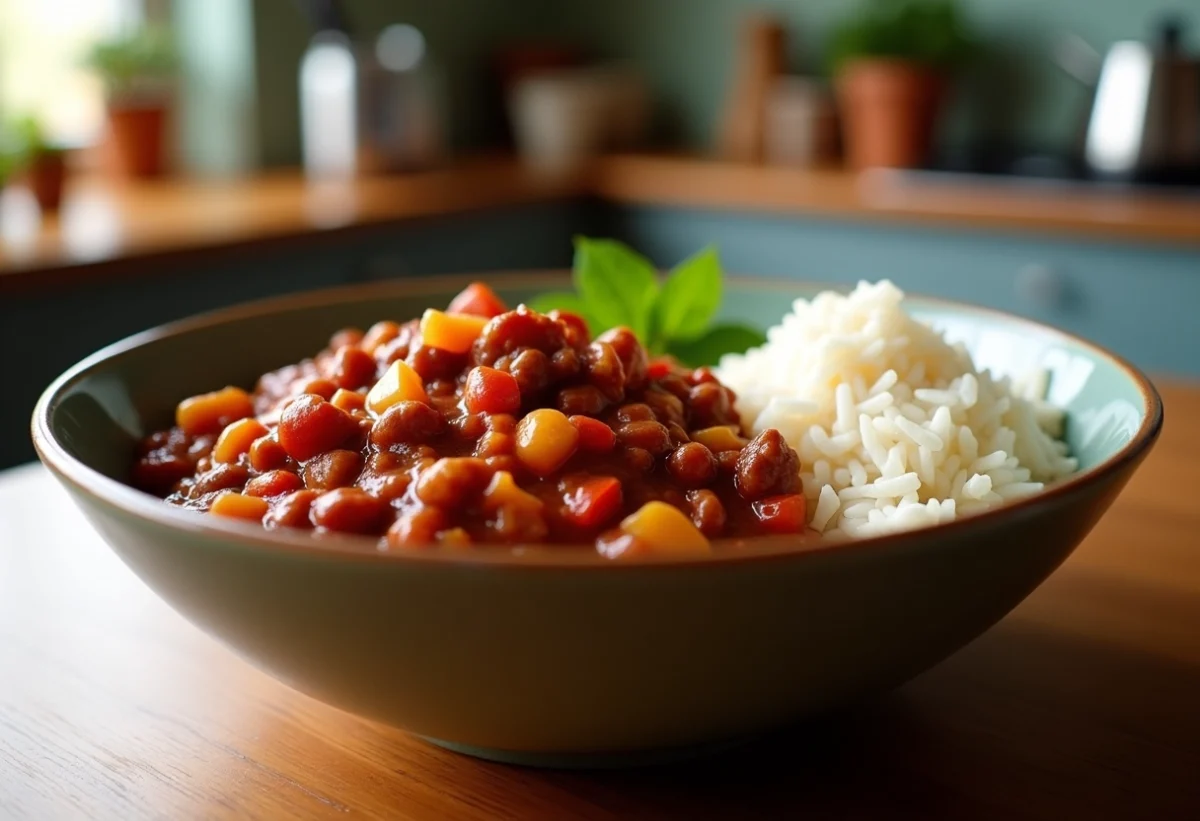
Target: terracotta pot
{"x": 889, "y": 110}
{"x": 45, "y": 178}
{"x": 139, "y": 138}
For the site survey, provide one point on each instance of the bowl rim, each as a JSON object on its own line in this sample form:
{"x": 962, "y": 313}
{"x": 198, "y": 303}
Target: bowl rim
{"x": 130, "y": 501}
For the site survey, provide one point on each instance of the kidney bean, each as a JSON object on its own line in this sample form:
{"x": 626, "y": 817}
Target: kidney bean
{"x": 603, "y": 369}
{"x": 632, "y": 354}
{"x": 649, "y": 436}
{"x": 531, "y": 369}
{"x": 502, "y": 423}
{"x": 452, "y": 481}
{"x": 633, "y": 412}
{"x": 514, "y": 330}
{"x": 586, "y": 400}
{"x": 292, "y": 510}
{"x": 383, "y": 461}
{"x": 675, "y": 385}
{"x": 493, "y": 443}
{"x": 353, "y": 368}
{"x": 387, "y": 486}
{"x": 273, "y": 483}
{"x": 666, "y": 406}
{"x": 692, "y": 465}
{"x": 406, "y": 423}
{"x": 679, "y": 436}
{"x": 711, "y": 405}
{"x": 157, "y": 472}
{"x": 221, "y": 477}
{"x": 565, "y": 364}
{"x": 310, "y": 425}
{"x": 707, "y": 512}
{"x": 322, "y": 387}
{"x": 349, "y": 510}
{"x": 594, "y": 435}
{"x": 767, "y": 467}
{"x": 638, "y": 459}
{"x": 267, "y": 454}
{"x": 491, "y": 391}
{"x": 727, "y": 460}
{"x": 469, "y": 426}
{"x": 332, "y": 469}
{"x": 379, "y": 334}
{"x": 435, "y": 363}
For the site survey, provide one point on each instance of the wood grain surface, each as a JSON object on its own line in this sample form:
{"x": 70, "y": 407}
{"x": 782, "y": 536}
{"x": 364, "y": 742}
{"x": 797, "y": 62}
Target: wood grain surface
{"x": 101, "y": 222}
{"x": 1083, "y": 704}
{"x": 103, "y": 227}
{"x": 889, "y": 196}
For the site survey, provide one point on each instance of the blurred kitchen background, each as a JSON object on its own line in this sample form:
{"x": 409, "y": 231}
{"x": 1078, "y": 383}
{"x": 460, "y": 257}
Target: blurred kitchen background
{"x": 161, "y": 158}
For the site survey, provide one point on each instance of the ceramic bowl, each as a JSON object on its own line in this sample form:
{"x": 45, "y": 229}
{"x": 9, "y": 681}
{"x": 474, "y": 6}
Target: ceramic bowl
{"x": 563, "y": 658}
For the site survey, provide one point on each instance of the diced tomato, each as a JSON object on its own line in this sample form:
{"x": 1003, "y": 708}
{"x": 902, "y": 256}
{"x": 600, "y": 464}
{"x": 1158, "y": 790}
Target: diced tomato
{"x": 477, "y": 299}
{"x": 782, "y": 514}
{"x": 594, "y": 435}
{"x": 273, "y": 483}
{"x": 593, "y": 502}
{"x": 491, "y": 391}
{"x": 658, "y": 368}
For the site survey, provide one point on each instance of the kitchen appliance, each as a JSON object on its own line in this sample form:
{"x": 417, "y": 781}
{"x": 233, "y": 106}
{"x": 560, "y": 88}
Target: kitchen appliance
{"x": 1143, "y": 124}
{"x": 366, "y": 106}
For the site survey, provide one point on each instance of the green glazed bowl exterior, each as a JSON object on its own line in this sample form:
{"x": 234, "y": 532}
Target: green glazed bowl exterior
{"x": 560, "y": 657}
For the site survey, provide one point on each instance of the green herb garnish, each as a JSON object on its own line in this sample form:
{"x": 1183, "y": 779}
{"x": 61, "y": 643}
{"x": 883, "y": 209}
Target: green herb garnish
{"x": 616, "y": 285}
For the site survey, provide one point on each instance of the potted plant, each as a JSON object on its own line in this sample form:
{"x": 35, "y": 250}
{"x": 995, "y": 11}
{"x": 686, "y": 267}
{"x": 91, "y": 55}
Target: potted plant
{"x": 44, "y": 165}
{"x": 137, "y": 70}
{"x": 891, "y": 64}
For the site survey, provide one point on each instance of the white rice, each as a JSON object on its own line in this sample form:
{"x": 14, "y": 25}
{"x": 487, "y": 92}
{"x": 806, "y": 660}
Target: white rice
{"x": 895, "y": 427}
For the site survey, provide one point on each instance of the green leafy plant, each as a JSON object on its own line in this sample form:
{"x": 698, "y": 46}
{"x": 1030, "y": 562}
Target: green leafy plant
{"x": 615, "y": 285}
{"x": 16, "y": 147}
{"x": 929, "y": 32}
{"x": 30, "y": 138}
{"x": 127, "y": 62}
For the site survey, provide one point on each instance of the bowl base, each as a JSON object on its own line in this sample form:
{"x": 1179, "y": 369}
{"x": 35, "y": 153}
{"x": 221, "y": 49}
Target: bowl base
{"x": 593, "y": 761}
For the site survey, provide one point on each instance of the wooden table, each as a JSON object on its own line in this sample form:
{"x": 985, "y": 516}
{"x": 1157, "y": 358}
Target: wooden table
{"x": 1083, "y": 704}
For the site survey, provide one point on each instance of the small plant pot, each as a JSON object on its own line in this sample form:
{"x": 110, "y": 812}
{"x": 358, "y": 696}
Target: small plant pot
{"x": 46, "y": 178}
{"x": 138, "y": 133}
{"x": 889, "y": 109}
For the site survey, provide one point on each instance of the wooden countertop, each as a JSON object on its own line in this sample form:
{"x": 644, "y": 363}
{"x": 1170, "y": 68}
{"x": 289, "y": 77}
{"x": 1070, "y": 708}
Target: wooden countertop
{"x": 102, "y": 226}
{"x": 1080, "y": 704}
{"x": 882, "y": 195}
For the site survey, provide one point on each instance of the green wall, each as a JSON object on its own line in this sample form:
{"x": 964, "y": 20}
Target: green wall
{"x": 687, "y": 49}
{"x": 461, "y": 34}
{"x": 687, "y": 46}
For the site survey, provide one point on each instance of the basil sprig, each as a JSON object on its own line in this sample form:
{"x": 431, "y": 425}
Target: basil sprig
{"x": 615, "y": 285}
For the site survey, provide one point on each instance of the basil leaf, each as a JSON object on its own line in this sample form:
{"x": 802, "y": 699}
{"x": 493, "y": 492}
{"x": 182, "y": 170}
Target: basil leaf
{"x": 689, "y": 297}
{"x": 564, "y": 301}
{"x": 618, "y": 285}
{"x": 715, "y": 343}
